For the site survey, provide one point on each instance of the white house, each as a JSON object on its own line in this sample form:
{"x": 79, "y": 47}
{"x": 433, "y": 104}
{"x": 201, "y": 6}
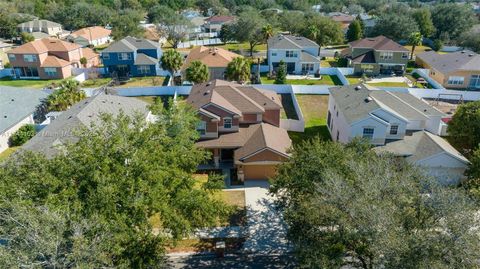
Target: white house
{"x": 45, "y": 26}
{"x": 396, "y": 122}
{"x": 17, "y": 108}
{"x": 94, "y": 36}
{"x": 301, "y": 54}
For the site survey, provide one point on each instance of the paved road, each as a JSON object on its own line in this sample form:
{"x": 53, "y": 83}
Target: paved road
{"x": 232, "y": 261}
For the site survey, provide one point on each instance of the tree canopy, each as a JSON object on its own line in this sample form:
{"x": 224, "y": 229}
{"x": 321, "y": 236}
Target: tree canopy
{"x": 248, "y": 28}
{"x": 452, "y": 20}
{"x": 464, "y": 128}
{"x": 68, "y": 94}
{"x": 238, "y": 70}
{"x": 346, "y": 205}
{"x": 395, "y": 26}
{"x": 172, "y": 61}
{"x": 197, "y": 72}
{"x": 94, "y": 205}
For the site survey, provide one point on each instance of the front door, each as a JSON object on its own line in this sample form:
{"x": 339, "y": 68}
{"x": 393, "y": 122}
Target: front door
{"x": 123, "y": 70}
{"x": 226, "y": 155}
{"x": 290, "y": 68}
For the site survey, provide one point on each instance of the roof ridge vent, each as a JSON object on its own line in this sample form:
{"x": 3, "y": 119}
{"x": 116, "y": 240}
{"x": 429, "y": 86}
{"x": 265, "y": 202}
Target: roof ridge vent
{"x": 357, "y": 88}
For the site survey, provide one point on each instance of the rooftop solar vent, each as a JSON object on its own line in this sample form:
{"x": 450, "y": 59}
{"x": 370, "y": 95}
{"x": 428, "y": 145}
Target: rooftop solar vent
{"x": 357, "y": 88}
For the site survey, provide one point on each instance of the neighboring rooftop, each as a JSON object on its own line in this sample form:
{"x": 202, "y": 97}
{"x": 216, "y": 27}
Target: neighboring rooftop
{"x": 450, "y": 62}
{"x": 252, "y": 139}
{"x": 44, "y": 45}
{"x": 281, "y": 41}
{"x": 92, "y": 33}
{"x": 210, "y": 56}
{"x": 39, "y": 24}
{"x": 234, "y": 97}
{"x": 220, "y": 19}
{"x": 16, "y": 104}
{"x": 420, "y": 145}
{"x": 378, "y": 43}
{"x": 82, "y": 114}
{"x": 130, "y": 44}
{"x": 357, "y": 102}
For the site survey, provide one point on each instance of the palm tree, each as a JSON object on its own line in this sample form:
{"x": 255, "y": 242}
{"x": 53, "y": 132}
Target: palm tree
{"x": 239, "y": 70}
{"x": 267, "y": 32}
{"x": 197, "y": 72}
{"x": 63, "y": 98}
{"x": 415, "y": 39}
{"x": 172, "y": 61}
{"x": 312, "y": 31}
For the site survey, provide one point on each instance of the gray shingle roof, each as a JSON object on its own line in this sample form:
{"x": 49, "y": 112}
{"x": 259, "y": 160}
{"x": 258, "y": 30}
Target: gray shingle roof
{"x": 39, "y": 24}
{"x": 419, "y": 146}
{"x": 84, "y": 113}
{"x": 358, "y": 104}
{"x": 450, "y": 62}
{"x": 308, "y": 58}
{"x": 130, "y": 44}
{"x": 143, "y": 59}
{"x": 16, "y": 104}
{"x": 290, "y": 42}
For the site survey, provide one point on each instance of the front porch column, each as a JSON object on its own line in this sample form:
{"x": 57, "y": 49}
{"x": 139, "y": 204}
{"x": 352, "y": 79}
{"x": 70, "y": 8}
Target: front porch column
{"x": 216, "y": 157}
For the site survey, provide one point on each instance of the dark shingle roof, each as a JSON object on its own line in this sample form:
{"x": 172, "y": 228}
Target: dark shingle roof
{"x": 378, "y": 43}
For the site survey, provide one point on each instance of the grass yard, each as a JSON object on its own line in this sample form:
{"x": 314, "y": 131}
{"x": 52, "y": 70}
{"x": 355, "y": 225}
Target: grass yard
{"x": 242, "y": 46}
{"x": 143, "y": 82}
{"x": 27, "y": 83}
{"x": 355, "y": 80}
{"x": 314, "y": 109}
{"x": 205, "y": 245}
{"x": 329, "y": 62}
{"x": 6, "y": 153}
{"x": 326, "y": 80}
{"x": 288, "y": 111}
{"x": 151, "y": 99}
{"x": 95, "y": 83}
{"x": 418, "y": 49}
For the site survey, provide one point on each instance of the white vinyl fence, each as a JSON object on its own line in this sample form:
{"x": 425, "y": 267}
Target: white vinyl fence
{"x": 200, "y": 42}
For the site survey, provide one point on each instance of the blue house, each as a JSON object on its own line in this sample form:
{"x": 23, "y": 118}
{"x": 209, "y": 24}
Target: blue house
{"x": 132, "y": 57}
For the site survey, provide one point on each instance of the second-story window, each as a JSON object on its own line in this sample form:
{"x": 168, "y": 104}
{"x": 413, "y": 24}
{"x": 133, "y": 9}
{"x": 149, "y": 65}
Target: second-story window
{"x": 386, "y": 55}
{"x": 106, "y": 56}
{"x": 202, "y": 127}
{"x": 290, "y": 54}
{"x": 124, "y": 56}
{"x": 30, "y": 58}
{"x": 227, "y": 123}
{"x": 11, "y": 57}
{"x": 405, "y": 55}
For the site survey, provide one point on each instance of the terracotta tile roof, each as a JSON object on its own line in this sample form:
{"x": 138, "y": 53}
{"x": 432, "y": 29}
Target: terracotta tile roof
{"x": 234, "y": 97}
{"x": 52, "y": 61}
{"x": 43, "y": 45}
{"x": 88, "y": 53}
{"x": 92, "y": 33}
{"x": 252, "y": 139}
{"x": 220, "y": 19}
{"x": 211, "y": 57}
{"x": 378, "y": 43}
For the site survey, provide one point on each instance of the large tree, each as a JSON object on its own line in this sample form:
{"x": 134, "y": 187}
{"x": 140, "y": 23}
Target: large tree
{"x": 248, "y": 28}
{"x": 197, "y": 72}
{"x": 94, "y": 206}
{"x": 395, "y": 26}
{"x": 126, "y": 23}
{"x": 354, "y": 31}
{"x": 464, "y": 128}
{"x": 172, "y": 61}
{"x": 239, "y": 70}
{"x": 452, "y": 20}
{"x": 347, "y": 206}
{"x": 328, "y": 32}
{"x": 423, "y": 17}
{"x": 471, "y": 40}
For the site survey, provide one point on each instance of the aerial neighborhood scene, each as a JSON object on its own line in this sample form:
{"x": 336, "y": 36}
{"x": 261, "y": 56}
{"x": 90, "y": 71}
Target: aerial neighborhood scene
{"x": 240, "y": 134}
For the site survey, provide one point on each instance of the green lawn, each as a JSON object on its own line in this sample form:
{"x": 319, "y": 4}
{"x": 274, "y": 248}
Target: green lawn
{"x": 288, "y": 111}
{"x": 95, "y": 83}
{"x": 143, "y": 82}
{"x": 242, "y": 46}
{"x": 27, "y": 83}
{"x": 151, "y": 99}
{"x": 326, "y": 80}
{"x": 4, "y": 154}
{"x": 329, "y": 62}
{"x": 314, "y": 109}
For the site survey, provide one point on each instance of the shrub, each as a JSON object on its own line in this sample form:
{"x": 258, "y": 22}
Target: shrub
{"x": 22, "y": 135}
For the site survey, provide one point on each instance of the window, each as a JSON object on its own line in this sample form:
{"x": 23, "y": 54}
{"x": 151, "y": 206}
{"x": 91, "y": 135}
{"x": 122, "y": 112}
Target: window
{"x": 307, "y": 68}
{"x": 386, "y": 55}
{"x": 337, "y": 113}
{"x": 143, "y": 69}
{"x": 455, "y": 80}
{"x": 106, "y": 56}
{"x": 202, "y": 127}
{"x": 368, "y": 133}
{"x": 367, "y": 67}
{"x": 394, "y": 129}
{"x": 27, "y": 71}
{"x": 338, "y": 135}
{"x": 405, "y": 55}
{"x": 11, "y": 57}
{"x": 227, "y": 123}
{"x": 50, "y": 71}
{"x": 475, "y": 81}
{"x": 290, "y": 54}
{"x": 124, "y": 56}
{"x": 30, "y": 58}
{"x": 274, "y": 54}
{"x": 329, "y": 117}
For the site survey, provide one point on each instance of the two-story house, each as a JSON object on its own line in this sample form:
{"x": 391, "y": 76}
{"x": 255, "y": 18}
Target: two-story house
{"x": 214, "y": 24}
{"x": 217, "y": 60}
{"x": 239, "y": 125}
{"x": 376, "y": 55}
{"x": 300, "y": 54}
{"x": 132, "y": 57}
{"x": 394, "y": 122}
{"x": 49, "y": 58}
{"x": 91, "y": 36}
{"x": 456, "y": 70}
{"x": 41, "y": 26}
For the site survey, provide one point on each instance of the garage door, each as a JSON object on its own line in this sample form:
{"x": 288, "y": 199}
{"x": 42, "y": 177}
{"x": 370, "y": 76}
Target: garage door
{"x": 253, "y": 172}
